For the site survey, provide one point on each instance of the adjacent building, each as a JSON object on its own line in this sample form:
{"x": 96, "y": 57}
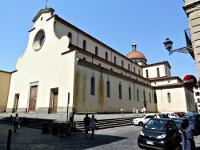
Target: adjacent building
{"x": 4, "y": 89}
{"x": 192, "y": 9}
{"x": 64, "y": 67}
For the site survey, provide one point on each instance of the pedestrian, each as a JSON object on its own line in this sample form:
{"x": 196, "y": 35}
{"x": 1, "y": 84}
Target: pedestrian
{"x": 185, "y": 135}
{"x": 16, "y": 122}
{"x": 136, "y": 111}
{"x": 10, "y": 120}
{"x": 93, "y": 121}
{"x": 86, "y": 124}
{"x": 121, "y": 110}
{"x": 71, "y": 122}
{"x": 190, "y": 136}
{"x": 144, "y": 110}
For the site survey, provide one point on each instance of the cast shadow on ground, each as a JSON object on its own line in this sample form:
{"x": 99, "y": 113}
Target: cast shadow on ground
{"x": 87, "y": 142}
{"x": 78, "y": 141}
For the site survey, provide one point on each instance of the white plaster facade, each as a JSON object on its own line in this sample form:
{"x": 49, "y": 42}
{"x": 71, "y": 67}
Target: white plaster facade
{"x": 97, "y": 77}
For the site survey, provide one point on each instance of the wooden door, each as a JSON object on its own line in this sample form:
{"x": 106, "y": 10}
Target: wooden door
{"x": 16, "y": 101}
{"x": 33, "y": 98}
{"x": 55, "y": 102}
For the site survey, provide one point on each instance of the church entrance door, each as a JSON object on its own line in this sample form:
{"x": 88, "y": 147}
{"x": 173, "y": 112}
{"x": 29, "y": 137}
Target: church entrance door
{"x": 54, "y": 100}
{"x": 33, "y": 98}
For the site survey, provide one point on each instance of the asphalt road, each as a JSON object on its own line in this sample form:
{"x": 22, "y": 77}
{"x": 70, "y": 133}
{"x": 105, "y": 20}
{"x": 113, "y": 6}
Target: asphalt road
{"x": 120, "y": 138}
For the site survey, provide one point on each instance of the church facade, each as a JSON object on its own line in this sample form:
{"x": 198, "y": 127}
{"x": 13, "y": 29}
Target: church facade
{"x": 65, "y": 67}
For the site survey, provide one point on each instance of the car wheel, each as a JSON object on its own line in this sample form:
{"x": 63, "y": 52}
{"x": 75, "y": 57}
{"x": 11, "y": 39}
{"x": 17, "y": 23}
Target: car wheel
{"x": 140, "y": 124}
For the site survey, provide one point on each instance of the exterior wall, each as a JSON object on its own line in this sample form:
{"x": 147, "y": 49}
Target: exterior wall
{"x": 46, "y": 68}
{"x": 78, "y": 38}
{"x": 192, "y": 8}
{"x": 4, "y": 89}
{"x": 190, "y": 100}
{"x": 165, "y": 82}
{"x": 178, "y": 100}
{"x": 152, "y": 71}
{"x": 85, "y": 102}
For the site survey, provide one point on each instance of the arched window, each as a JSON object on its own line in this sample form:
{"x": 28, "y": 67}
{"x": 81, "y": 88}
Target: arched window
{"x": 106, "y": 55}
{"x": 158, "y": 72}
{"x": 169, "y": 97}
{"x": 149, "y": 97}
{"x": 122, "y": 63}
{"x": 96, "y": 51}
{"x": 108, "y": 88}
{"x": 129, "y": 93}
{"x": 120, "y": 91}
{"x": 128, "y": 66}
{"x": 84, "y": 44}
{"x": 115, "y": 60}
{"x": 70, "y": 37}
{"x": 155, "y": 97}
{"x": 145, "y": 102}
{"x": 92, "y": 85}
{"x": 138, "y": 95}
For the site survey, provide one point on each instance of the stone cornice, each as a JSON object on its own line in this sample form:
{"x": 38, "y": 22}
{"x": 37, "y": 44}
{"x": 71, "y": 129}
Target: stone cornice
{"x": 159, "y": 63}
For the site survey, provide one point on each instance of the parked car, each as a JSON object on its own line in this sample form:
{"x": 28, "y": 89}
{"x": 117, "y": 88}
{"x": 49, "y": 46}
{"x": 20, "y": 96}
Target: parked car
{"x": 178, "y": 122}
{"x": 194, "y": 119}
{"x": 168, "y": 115}
{"x": 159, "y": 133}
{"x": 142, "y": 120}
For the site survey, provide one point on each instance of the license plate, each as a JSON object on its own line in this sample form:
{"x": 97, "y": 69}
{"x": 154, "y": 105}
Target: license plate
{"x": 149, "y": 142}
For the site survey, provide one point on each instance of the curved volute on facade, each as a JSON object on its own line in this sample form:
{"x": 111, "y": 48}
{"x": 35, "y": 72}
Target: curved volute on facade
{"x": 43, "y": 35}
{"x": 137, "y": 56}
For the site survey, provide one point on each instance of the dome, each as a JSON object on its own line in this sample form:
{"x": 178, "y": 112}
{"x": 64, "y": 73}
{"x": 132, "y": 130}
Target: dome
{"x": 136, "y": 55}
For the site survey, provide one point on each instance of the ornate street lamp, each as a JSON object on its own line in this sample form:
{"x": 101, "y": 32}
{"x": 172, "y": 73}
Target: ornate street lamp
{"x": 168, "y": 45}
{"x": 187, "y": 49}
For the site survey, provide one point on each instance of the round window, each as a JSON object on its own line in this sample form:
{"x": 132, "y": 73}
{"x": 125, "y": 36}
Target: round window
{"x": 39, "y": 40}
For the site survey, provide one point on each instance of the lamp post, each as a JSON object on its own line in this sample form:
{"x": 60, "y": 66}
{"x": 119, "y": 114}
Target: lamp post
{"x": 168, "y": 45}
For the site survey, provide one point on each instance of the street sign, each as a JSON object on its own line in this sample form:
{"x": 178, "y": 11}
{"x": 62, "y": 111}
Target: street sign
{"x": 189, "y": 81}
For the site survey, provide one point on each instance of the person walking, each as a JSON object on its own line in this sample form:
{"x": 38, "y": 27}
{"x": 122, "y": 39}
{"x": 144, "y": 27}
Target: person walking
{"x": 186, "y": 145}
{"x": 10, "y": 120}
{"x": 16, "y": 122}
{"x": 190, "y": 129}
{"x": 93, "y": 121}
{"x": 86, "y": 124}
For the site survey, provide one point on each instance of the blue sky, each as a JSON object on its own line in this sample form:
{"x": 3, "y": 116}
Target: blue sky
{"x": 115, "y": 22}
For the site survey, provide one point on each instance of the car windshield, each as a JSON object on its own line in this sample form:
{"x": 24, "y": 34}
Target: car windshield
{"x": 178, "y": 123}
{"x": 156, "y": 124}
{"x": 190, "y": 118}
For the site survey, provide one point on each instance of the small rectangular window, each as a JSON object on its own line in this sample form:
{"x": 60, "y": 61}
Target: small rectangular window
{"x": 129, "y": 93}
{"x": 149, "y": 97}
{"x": 169, "y": 97}
{"x": 147, "y": 74}
{"x": 106, "y": 55}
{"x": 158, "y": 72}
{"x": 120, "y": 91}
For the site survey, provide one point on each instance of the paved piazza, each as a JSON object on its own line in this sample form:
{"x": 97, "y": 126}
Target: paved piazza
{"x": 120, "y": 138}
